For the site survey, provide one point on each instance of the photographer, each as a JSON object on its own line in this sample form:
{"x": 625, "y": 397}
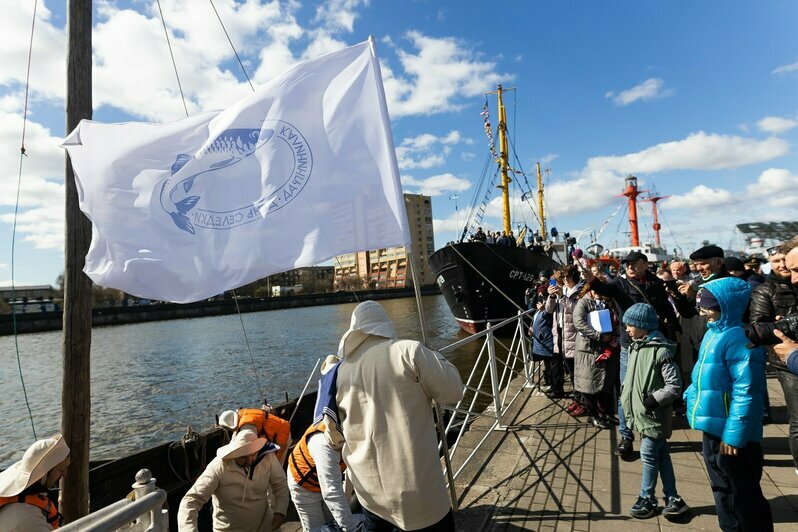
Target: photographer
{"x": 777, "y": 298}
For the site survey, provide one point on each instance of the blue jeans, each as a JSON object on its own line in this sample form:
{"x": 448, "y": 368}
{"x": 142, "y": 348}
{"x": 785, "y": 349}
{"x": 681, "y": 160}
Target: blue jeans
{"x": 656, "y": 460}
{"x": 623, "y": 430}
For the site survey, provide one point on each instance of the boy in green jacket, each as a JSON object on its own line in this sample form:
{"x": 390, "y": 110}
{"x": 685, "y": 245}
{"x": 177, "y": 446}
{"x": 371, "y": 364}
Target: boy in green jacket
{"x": 652, "y": 383}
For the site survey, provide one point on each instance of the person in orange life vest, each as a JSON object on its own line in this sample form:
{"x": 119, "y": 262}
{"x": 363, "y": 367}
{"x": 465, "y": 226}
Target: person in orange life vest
{"x": 24, "y": 506}
{"x": 315, "y": 467}
{"x": 238, "y": 480}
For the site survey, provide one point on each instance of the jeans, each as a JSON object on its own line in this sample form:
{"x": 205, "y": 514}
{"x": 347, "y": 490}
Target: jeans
{"x": 789, "y": 383}
{"x": 656, "y": 460}
{"x": 375, "y": 523}
{"x": 623, "y": 430}
{"x": 739, "y": 501}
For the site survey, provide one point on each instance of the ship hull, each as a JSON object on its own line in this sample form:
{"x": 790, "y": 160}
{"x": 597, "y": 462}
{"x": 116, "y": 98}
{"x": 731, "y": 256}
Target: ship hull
{"x": 473, "y": 276}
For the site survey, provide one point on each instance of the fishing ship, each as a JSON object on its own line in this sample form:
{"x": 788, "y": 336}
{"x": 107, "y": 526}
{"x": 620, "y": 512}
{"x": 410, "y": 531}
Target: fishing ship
{"x": 486, "y": 282}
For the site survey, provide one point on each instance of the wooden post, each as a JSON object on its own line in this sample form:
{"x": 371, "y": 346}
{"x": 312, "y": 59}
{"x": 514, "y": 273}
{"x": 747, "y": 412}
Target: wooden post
{"x": 76, "y": 337}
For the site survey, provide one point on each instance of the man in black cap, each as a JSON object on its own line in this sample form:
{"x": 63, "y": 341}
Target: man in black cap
{"x": 708, "y": 262}
{"x": 637, "y": 284}
{"x": 736, "y": 268}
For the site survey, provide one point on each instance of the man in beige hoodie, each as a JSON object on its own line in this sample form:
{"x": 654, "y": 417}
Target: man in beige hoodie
{"x": 238, "y": 480}
{"x": 385, "y": 389}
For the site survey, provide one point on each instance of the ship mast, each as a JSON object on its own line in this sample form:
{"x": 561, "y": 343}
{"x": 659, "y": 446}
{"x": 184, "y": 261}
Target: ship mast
{"x": 654, "y": 199}
{"x": 631, "y": 192}
{"x": 541, "y": 215}
{"x": 503, "y": 156}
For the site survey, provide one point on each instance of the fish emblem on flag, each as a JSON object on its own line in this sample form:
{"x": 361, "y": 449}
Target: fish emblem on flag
{"x": 239, "y": 177}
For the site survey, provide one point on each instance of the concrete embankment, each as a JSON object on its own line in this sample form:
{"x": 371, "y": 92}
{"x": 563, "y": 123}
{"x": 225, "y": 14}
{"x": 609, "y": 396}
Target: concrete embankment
{"x": 51, "y": 321}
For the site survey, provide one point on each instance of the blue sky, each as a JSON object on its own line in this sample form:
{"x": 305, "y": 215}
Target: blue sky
{"x": 698, "y": 98}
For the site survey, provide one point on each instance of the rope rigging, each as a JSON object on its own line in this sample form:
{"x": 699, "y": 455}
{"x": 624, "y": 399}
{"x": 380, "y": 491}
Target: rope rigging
{"x": 174, "y": 64}
{"x": 22, "y": 155}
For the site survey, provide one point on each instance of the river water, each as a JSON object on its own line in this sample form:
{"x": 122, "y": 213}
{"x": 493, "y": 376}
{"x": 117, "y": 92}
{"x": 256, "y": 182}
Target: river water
{"x": 151, "y": 380}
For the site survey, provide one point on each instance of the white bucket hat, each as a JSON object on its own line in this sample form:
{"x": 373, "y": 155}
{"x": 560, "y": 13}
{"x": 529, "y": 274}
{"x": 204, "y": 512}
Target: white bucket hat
{"x": 368, "y": 318}
{"x": 37, "y": 461}
{"x": 244, "y": 442}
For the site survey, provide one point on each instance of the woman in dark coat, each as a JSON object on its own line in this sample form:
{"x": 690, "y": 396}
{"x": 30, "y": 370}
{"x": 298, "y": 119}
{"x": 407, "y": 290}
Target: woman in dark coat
{"x": 596, "y": 359}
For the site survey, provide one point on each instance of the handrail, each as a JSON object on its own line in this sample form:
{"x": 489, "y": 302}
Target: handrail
{"x": 143, "y": 514}
{"x": 497, "y": 390}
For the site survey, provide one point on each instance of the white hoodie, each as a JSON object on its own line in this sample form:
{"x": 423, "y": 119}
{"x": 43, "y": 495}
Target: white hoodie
{"x": 385, "y": 390}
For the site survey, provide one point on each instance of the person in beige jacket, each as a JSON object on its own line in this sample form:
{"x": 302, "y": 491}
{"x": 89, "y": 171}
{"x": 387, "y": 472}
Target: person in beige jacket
{"x": 385, "y": 389}
{"x": 24, "y": 505}
{"x": 238, "y": 479}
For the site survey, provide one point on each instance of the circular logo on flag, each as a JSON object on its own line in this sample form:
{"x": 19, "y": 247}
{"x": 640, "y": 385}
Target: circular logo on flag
{"x": 240, "y": 177}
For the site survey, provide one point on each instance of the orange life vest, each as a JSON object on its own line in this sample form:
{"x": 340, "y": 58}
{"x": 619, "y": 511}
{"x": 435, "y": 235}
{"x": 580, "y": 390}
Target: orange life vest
{"x": 301, "y": 464}
{"x": 40, "y": 501}
{"x": 273, "y": 428}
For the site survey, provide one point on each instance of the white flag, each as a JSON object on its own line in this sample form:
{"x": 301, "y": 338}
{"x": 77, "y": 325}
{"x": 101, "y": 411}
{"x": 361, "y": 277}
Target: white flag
{"x": 302, "y": 170}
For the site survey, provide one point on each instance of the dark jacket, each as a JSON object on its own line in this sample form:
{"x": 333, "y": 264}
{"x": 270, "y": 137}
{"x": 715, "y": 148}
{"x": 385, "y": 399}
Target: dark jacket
{"x": 774, "y": 297}
{"x": 627, "y": 292}
{"x": 542, "y": 336}
{"x": 686, "y": 304}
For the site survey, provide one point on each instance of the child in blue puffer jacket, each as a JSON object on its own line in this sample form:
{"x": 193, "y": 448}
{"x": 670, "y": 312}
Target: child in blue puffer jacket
{"x": 725, "y": 401}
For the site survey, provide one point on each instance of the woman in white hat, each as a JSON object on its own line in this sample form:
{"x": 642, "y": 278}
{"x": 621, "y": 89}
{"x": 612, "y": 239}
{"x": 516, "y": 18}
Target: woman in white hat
{"x": 24, "y": 506}
{"x": 238, "y": 480}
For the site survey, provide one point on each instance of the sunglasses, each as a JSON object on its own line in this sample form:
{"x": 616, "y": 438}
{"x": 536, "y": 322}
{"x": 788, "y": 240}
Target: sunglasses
{"x": 772, "y": 251}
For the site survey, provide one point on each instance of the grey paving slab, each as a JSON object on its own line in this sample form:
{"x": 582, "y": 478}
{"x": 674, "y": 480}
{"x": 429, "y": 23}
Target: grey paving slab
{"x": 550, "y": 471}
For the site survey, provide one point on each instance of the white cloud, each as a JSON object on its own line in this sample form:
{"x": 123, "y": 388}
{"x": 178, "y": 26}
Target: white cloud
{"x": 650, "y": 89}
{"x": 784, "y": 69}
{"x": 776, "y": 125}
{"x": 548, "y": 158}
{"x": 339, "y": 14}
{"x": 778, "y": 186}
{"x": 43, "y": 226}
{"x": 426, "y": 150}
{"x": 700, "y": 198}
{"x": 603, "y": 176}
{"x": 440, "y": 73}
{"x": 437, "y": 185}
{"x": 48, "y": 67}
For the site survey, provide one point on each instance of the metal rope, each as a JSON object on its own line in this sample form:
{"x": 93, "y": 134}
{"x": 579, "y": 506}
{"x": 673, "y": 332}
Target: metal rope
{"x": 488, "y": 280}
{"x": 174, "y": 64}
{"x": 244, "y": 70}
{"x": 14, "y": 226}
{"x": 249, "y": 348}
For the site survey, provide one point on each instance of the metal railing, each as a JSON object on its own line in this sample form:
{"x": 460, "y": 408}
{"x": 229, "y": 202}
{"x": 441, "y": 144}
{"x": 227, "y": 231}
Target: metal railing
{"x": 144, "y": 513}
{"x": 487, "y": 382}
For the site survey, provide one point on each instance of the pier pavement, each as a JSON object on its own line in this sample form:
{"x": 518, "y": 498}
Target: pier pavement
{"x": 550, "y": 471}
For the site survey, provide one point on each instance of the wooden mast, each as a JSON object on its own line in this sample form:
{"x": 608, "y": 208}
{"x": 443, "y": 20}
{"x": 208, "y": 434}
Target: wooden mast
{"x": 503, "y": 157}
{"x": 76, "y": 336}
{"x": 541, "y": 214}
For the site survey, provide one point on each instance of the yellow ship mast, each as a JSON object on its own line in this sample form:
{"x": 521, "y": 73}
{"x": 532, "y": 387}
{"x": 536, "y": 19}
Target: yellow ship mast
{"x": 541, "y": 215}
{"x": 503, "y": 155}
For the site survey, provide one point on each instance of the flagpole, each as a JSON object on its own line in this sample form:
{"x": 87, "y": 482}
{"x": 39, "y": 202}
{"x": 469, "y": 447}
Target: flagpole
{"x": 386, "y": 121}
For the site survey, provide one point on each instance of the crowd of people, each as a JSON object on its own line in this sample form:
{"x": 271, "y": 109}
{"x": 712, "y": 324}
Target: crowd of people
{"x": 689, "y": 338}
{"x": 640, "y": 347}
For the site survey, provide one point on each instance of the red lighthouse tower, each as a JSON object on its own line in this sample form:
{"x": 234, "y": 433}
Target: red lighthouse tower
{"x": 632, "y": 192}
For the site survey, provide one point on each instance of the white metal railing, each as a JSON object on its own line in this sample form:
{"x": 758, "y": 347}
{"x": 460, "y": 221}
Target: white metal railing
{"x": 485, "y": 381}
{"x": 144, "y": 513}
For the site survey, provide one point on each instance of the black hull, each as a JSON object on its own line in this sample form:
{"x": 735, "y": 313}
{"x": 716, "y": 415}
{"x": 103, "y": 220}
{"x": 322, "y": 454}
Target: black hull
{"x": 471, "y": 298}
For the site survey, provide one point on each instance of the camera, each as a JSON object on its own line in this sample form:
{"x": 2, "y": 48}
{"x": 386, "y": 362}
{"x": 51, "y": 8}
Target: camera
{"x": 762, "y": 333}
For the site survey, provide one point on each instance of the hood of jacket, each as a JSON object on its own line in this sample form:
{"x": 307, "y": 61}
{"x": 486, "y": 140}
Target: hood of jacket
{"x": 733, "y": 295}
{"x": 368, "y": 319}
